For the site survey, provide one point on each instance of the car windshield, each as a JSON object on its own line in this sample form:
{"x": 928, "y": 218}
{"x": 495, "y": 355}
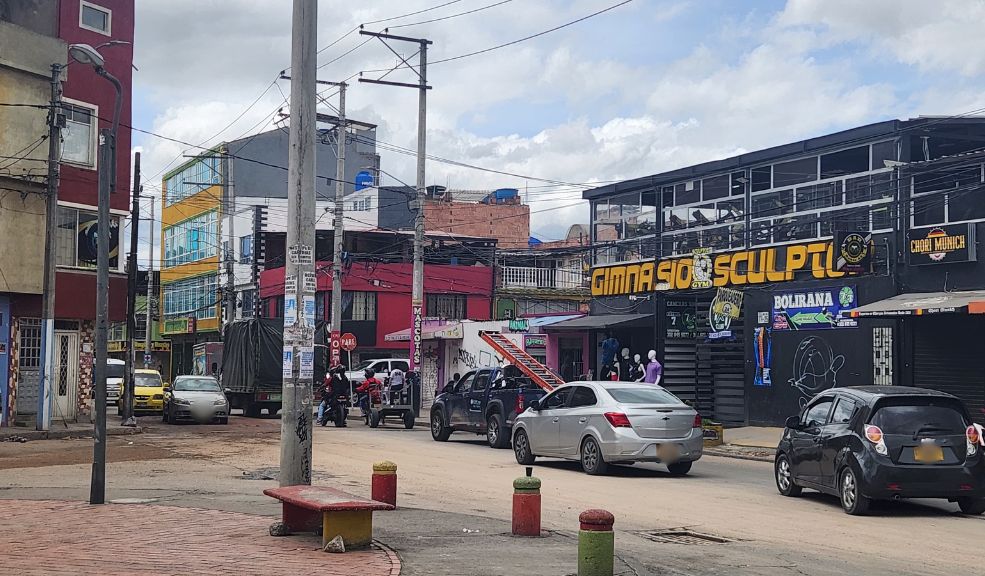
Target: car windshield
{"x": 912, "y": 419}
{"x": 148, "y": 380}
{"x": 115, "y": 370}
{"x": 642, "y": 396}
{"x": 197, "y": 385}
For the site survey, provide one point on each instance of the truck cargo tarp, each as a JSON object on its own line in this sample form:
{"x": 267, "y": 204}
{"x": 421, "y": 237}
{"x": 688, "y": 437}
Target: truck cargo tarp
{"x": 253, "y": 351}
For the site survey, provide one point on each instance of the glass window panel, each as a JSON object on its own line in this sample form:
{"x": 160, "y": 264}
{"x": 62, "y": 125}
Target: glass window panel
{"x": 739, "y": 181}
{"x": 77, "y": 137}
{"x": 966, "y": 205}
{"x": 702, "y": 215}
{"x": 716, "y": 238}
{"x": 762, "y": 178}
{"x": 795, "y": 228}
{"x": 772, "y": 204}
{"x": 844, "y": 162}
{"x": 66, "y": 236}
{"x": 687, "y": 193}
{"x": 738, "y": 232}
{"x": 795, "y": 171}
{"x": 93, "y": 17}
{"x": 882, "y": 151}
{"x": 818, "y": 196}
{"x": 715, "y": 187}
{"x": 668, "y": 195}
{"x": 762, "y": 232}
{"x": 730, "y": 210}
{"x": 853, "y": 220}
{"x": 882, "y": 217}
{"x": 928, "y": 210}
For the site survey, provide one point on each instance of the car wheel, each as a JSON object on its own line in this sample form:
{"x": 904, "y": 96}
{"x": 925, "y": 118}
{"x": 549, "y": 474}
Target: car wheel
{"x": 374, "y": 419}
{"x": 164, "y": 415}
{"x": 409, "y": 420}
{"x": 784, "y": 477}
{"x": 852, "y": 499}
{"x": 494, "y": 432}
{"x": 521, "y": 449}
{"x": 592, "y": 461}
{"x": 439, "y": 431}
{"x": 679, "y": 468}
{"x": 972, "y": 506}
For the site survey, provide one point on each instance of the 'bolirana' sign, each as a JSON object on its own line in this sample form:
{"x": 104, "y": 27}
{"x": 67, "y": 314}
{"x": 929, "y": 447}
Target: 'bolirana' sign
{"x": 765, "y": 265}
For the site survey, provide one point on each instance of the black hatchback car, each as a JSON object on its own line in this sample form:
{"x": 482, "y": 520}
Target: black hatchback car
{"x": 883, "y": 442}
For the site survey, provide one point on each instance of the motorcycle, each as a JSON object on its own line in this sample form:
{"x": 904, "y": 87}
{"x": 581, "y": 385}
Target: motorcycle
{"x": 337, "y": 411}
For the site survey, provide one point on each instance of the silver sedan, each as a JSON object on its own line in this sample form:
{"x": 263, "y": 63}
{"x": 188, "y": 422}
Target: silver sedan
{"x": 602, "y": 423}
{"x": 197, "y": 398}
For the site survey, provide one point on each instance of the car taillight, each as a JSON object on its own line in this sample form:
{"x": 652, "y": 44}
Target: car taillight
{"x": 874, "y": 434}
{"x": 519, "y": 403}
{"x": 697, "y": 421}
{"x": 973, "y": 438}
{"x": 618, "y": 420}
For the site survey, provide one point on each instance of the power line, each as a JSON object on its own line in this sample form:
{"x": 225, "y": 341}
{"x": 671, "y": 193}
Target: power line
{"x": 473, "y": 11}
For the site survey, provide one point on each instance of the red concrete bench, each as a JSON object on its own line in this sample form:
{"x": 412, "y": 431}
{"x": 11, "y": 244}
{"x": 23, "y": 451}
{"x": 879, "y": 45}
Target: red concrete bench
{"x": 339, "y": 513}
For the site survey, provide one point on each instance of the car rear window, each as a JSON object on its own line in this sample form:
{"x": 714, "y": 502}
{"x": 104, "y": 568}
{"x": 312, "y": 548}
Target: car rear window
{"x": 912, "y": 417}
{"x": 642, "y": 396}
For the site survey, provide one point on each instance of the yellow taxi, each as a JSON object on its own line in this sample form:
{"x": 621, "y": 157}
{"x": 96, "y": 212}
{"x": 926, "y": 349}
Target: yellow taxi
{"x": 148, "y": 391}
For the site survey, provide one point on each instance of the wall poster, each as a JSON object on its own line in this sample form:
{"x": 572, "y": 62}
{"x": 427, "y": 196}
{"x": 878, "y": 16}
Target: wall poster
{"x": 814, "y": 309}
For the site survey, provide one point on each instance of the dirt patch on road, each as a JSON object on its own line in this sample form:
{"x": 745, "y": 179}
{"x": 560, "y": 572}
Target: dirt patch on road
{"x": 41, "y": 453}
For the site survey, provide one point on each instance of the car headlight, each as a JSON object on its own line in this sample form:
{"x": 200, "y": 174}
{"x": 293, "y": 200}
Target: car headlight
{"x": 158, "y": 396}
{"x": 220, "y": 402}
{"x": 182, "y": 401}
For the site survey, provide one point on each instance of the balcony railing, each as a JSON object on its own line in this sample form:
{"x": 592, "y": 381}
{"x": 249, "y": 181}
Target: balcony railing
{"x": 527, "y": 277}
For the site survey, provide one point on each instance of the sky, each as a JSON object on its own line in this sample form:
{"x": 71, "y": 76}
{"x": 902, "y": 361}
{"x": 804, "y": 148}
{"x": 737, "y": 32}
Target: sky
{"x": 643, "y": 88}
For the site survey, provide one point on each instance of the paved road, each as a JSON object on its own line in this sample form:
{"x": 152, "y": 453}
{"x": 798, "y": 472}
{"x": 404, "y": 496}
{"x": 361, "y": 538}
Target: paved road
{"x": 463, "y": 479}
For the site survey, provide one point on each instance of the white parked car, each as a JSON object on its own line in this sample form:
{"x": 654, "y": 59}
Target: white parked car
{"x": 381, "y": 367}
{"x": 602, "y": 423}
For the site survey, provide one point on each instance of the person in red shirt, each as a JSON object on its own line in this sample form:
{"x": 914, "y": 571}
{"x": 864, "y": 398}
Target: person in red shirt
{"x": 370, "y": 390}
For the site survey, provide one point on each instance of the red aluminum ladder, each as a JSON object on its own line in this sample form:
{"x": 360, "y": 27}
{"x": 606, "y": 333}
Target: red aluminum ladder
{"x": 540, "y": 374}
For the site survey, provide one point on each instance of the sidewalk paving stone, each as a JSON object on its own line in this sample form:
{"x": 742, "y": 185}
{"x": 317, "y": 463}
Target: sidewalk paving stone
{"x": 54, "y": 537}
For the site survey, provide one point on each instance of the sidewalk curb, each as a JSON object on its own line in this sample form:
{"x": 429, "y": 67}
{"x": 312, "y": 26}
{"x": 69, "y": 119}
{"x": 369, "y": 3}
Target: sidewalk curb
{"x": 63, "y": 433}
{"x": 739, "y": 455}
{"x": 391, "y": 555}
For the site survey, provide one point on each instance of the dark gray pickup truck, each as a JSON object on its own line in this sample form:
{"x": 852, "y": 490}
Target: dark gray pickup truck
{"x": 484, "y": 401}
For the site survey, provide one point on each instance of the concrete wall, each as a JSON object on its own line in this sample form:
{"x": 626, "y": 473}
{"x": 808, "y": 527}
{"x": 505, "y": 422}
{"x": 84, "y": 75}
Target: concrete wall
{"x": 38, "y": 16}
{"x": 25, "y": 70}
{"x": 260, "y": 179}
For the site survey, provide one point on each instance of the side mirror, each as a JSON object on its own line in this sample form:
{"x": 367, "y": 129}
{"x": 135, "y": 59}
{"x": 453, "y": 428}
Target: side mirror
{"x": 228, "y": 391}
{"x": 793, "y": 423}
{"x": 448, "y": 389}
{"x": 167, "y": 389}
{"x": 538, "y": 405}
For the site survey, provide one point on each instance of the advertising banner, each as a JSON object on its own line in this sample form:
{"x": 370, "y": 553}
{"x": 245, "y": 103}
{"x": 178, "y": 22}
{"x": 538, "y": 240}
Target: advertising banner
{"x": 814, "y": 309}
{"x": 941, "y": 245}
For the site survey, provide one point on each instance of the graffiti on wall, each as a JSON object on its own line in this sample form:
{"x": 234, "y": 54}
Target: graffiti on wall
{"x": 815, "y": 368}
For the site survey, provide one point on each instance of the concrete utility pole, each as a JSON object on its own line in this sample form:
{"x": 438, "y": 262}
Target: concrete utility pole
{"x": 417, "y": 292}
{"x": 338, "y": 231}
{"x": 55, "y": 118}
{"x": 150, "y": 292}
{"x": 131, "y": 357}
{"x": 230, "y": 255}
{"x": 299, "y": 266}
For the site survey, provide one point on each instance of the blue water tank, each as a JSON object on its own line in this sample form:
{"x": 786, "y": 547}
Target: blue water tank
{"x": 504, "y": 194}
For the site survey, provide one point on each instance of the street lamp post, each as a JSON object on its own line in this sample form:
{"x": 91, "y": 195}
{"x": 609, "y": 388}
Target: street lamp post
{"x": 87, "y": 55}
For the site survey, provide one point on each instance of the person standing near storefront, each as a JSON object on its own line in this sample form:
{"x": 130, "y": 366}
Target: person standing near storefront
{"x": 654, "y": 370}
{"x": 610, "y": 346}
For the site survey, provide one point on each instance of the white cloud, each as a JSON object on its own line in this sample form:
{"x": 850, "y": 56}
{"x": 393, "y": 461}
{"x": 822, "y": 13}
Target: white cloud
{"x": 750, "y": 80}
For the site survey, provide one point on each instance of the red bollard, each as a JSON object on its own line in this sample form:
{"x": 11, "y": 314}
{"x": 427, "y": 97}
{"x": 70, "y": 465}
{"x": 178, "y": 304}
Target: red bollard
{"x": 385, "y": 482}
{"x": 526, "y": 505}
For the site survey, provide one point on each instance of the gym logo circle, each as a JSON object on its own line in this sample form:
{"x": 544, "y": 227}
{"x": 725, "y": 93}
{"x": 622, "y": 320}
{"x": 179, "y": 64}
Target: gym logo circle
{"x": 854, "y": 248}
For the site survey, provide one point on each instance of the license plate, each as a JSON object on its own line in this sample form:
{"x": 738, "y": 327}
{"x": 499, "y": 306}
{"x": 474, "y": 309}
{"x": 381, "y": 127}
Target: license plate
{"x": 141, "y": 403}
{"x": 668, "y": 452}
{"x": 274, "y": 397}
{"x": 928, "y": 453}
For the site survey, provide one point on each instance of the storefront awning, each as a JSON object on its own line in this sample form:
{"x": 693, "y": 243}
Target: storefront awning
{"x": 603, "y": 321}
{"x": 544, "y": 321}
{"x": 451, "y": 331}
{"x": 920, "y": 303}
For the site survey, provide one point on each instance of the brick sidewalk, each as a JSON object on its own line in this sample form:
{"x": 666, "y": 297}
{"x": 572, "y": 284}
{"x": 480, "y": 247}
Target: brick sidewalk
{"x": 61, "y": 538}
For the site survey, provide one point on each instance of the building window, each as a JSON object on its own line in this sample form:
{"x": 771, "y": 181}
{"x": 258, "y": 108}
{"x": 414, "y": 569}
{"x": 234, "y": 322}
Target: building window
{"x": 75, "y": 239}
{"x": 949, "y": 195}
{"x": 29, "y": 352}
{"x": 360, "y": 306}
{"x": 95, "y": 18}
{"x": 117, "y": 331}
{"x": 248, "y": 298}
{"x": 538, "y": 307}
{"x": 203, "y": 173}
{"x": 447, "y": 306}
{"x": 363, "y": 204}
{"x": 79, "y": 135}
{"x": 246, "y": 249}
{"x": 191, "y": 240}
{"x": 196, "y": 297}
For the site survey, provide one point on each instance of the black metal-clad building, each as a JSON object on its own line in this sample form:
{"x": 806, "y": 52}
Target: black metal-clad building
{"x": 763, "y": 279}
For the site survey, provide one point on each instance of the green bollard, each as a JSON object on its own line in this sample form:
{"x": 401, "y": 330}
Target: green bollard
{"x": 596, "y": 543}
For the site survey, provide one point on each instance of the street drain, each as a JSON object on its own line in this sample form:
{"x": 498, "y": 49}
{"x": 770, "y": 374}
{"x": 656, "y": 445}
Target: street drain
{"x": 682, "y": 536}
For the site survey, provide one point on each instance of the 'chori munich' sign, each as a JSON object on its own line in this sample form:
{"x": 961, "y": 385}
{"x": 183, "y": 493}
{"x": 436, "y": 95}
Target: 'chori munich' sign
{"x": 941, "y": 245}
